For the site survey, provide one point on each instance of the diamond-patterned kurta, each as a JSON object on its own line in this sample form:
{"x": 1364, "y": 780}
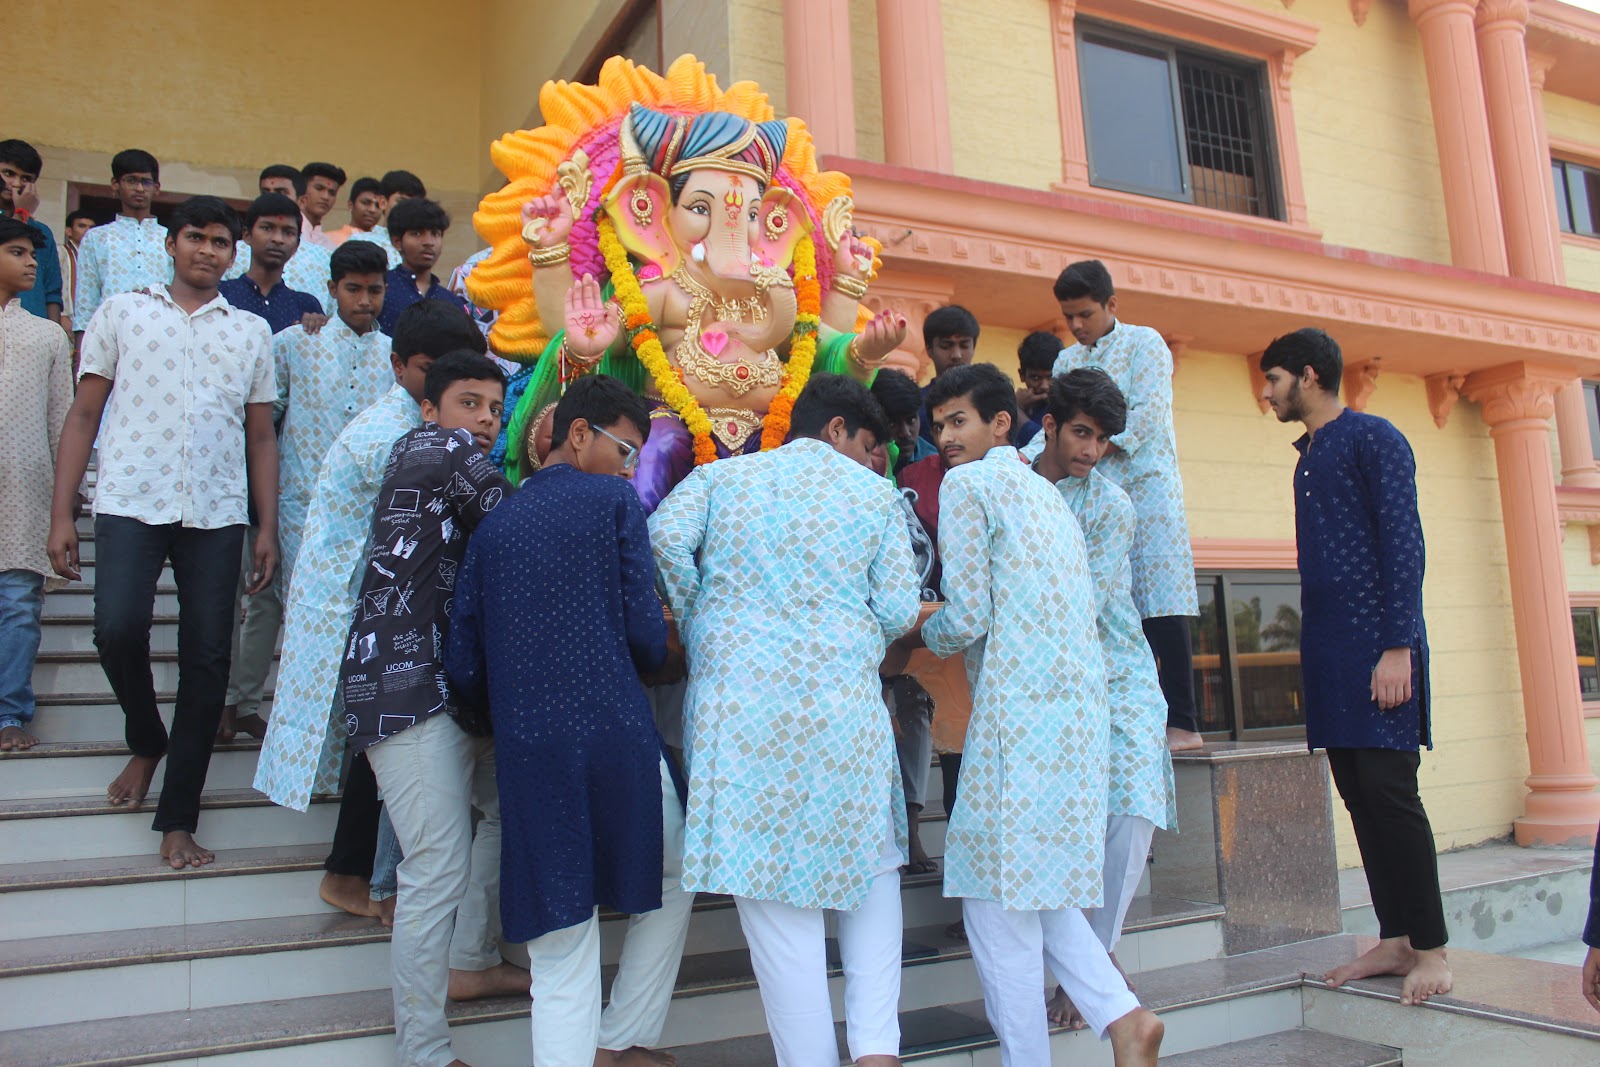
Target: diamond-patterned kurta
{"x": 1147, "y": 467}
{"x": 1140, "y": 780}
{"x": 304, "y": 747}
{"x": 119, "y": 257}
{"x": 1029, "y": 828}
{"x": 804, "y": 575}
{"x": 325, "y": 379}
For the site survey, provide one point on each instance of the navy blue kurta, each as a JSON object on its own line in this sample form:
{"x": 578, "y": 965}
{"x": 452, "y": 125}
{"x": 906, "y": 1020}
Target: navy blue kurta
{"x": 1361, "y": 562}
{"x": 555, "y": 611}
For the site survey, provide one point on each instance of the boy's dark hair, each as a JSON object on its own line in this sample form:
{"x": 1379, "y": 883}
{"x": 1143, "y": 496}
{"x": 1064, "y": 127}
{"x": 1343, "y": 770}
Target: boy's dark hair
{"x": 272, "y": 206}
{"x": 434, "y": 327}
{"x": 1085, "y": 278}
{"x": 897, "y": 394}
{"x": 952, "y": 320}
{"x": 358, "y": 257}
{"x": 600, "y": 400}
{"x": 78, "y": 213}
{"x": 1038, "y": 351}
{"x": 1308, "y": 347}
{"x": 22, "y": 155}
{"x": 364, "y": 185}
{"x": 830, "y": 396}
{"x": 134, "y": 161}
{"x": 990, "y": 391}
{"x": 12, "y": 229}
{"x": 200, "y": 212}
{"x": 1088, "y": 391}
{"x": 279, "y": 170}
{"x": 461, "y": 365}
{"x": 411, "y": 216}
{"x": 402, "y": 182}
{"x": 318, "y": 170}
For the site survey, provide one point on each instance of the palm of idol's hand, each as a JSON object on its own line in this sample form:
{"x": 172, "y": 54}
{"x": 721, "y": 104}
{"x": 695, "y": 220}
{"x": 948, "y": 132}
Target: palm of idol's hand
{"x": 547, "y": 221}
{"x": 592, "y": 321}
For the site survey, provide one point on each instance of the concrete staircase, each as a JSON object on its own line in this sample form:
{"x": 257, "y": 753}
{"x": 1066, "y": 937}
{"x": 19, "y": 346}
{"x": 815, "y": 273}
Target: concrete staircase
{"x": 109, "y": 957}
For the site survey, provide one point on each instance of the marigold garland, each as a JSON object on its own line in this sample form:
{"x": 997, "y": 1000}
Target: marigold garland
{"x": 668, "y": 379}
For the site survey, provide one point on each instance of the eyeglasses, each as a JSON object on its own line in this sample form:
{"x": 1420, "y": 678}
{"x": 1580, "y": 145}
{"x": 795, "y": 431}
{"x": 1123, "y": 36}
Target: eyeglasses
{"x": 630, "y": 458}
{"x": 139, "y": 183}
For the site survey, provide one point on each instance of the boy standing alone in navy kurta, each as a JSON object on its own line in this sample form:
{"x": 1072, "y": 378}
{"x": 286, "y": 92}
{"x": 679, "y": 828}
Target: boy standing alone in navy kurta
{"x": 1364, "y": 649}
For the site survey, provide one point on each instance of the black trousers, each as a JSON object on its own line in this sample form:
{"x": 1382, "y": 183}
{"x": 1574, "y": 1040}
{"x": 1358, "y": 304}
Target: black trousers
{"x": 1379, "y": 789}
{"x": 355, "y": 835}
{"x": 129, "y": 555}
{"x": 1169, "y": 640}
{"x": 950, "y": 776}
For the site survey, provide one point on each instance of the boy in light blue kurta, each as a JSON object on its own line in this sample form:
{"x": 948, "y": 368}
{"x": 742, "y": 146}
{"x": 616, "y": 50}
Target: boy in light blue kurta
{"x": 1143, "y": 462}
{"x": 1024, "y": 847}
{"x": 1085, "y": 409}
{"x": 789, "y": 573}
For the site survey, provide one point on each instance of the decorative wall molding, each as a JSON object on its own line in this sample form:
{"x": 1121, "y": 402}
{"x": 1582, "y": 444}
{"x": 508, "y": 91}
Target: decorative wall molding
{"x": 1244, "y": 554}
{"x": 1443, "y": 392}
{"x": 1360, "y": 379}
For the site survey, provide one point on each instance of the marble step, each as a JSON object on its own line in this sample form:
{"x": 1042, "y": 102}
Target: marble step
{"x": 69, "y": 717}
{"x": 80, "y": 672}
{"x": 79, "y": 768}
{"x": 1292, "y": 1048}
{"x": 75, "y": 633}
{"x": 1203, "y": 1003}
{"x": 77, "y": 601}
{"x": 72, "y": 828}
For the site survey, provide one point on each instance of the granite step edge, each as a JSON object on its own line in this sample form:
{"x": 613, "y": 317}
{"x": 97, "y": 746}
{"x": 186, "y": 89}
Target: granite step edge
{"x": 211, "y": 800}
{"x": 1300, "y": 1047}
{"x": 76, "y": 749}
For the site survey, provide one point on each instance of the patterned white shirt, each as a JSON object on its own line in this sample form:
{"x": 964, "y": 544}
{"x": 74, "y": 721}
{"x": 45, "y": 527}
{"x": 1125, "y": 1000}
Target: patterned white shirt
{"x": 378, "y": 235}
{"x": 36, "y": 379}
{"x": 325, "y": 380}
{"x": 172, "y": 444}
{"x": 1030, "y": 827}
{"x": 308, "y": 270}
{"x": 126, "y": 255}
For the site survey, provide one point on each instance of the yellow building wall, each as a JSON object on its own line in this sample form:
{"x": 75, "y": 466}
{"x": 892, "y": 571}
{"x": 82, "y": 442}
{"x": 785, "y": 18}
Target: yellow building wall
{"x": 1238, "y": 465}
{"x": 1576, "y": 120}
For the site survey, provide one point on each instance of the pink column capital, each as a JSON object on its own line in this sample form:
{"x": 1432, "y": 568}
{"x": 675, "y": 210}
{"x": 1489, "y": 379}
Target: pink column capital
{"x": 1517, "y": 400}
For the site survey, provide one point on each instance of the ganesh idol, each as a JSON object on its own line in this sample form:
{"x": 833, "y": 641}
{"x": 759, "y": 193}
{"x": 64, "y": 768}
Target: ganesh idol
{"x": 679, "y": 237}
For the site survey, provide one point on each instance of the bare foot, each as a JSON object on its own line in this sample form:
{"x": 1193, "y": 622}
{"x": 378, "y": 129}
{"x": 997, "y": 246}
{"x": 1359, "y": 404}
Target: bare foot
{"x": 1429, "y": 976}
{"x": 637, "y": 1056}
{"x": 878, "y": 1061}
{"x": 1184, "y": 740}
{"x": 501, "y": 980}
{"x": 228, "y": 726}
{"x": 16, "y": 739}
{"x": 254, "y": 725}
{"x": 180, "y": 850}
{"x": 347, "y": 892}
{"x": 384, "y": 910}
{"x": 1063, "y": 1012}
{"x": 1136, "y": 1038}
{"x": 133, "y": 784}
{"x": 1392, "y": 955}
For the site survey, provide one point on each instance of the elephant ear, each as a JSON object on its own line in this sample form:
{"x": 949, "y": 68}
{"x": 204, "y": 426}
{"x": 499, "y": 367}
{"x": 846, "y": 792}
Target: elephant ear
{"x": 638, "y": 206}
{"x": 780, "y": 224}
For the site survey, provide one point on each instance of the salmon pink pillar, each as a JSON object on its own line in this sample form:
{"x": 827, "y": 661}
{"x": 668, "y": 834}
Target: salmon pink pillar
{"x": 816, "y": 53}
{"x": 1461, "y": 128}
{"x": 1562, "y": 807}
{"x": 916, "y": 112}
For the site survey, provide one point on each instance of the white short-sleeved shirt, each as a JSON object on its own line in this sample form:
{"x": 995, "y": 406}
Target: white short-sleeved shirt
{"x": 172, "y": 443}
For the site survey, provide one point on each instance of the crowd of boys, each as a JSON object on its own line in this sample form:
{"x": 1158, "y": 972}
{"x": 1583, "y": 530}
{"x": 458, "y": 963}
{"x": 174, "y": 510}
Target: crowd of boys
{"x": 487, "y": 658}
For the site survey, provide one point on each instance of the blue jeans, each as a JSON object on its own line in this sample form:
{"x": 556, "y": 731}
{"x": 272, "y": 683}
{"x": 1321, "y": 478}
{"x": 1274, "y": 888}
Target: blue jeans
{"x": 386, "y": 861}
{"x": 21, "y": 606}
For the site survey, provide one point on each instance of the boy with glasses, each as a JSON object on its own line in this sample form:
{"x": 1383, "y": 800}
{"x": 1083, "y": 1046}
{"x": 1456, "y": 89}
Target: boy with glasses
{"x": 131, "y": 252}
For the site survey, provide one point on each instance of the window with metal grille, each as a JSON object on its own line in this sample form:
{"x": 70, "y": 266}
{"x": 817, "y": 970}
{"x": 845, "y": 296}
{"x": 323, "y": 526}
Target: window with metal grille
{"x": 1577, "y": 197}
{"x": 1179, "y": 124}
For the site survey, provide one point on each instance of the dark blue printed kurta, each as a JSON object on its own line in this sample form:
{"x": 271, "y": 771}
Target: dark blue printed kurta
{"x": 1361, "y": 563}
{"x": 555, "y": 612}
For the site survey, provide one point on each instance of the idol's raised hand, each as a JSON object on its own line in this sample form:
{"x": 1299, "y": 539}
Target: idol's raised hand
{"x": 885, "y": 333}
{"x": 592, "y": 321}
{"x": 547, "y": 221}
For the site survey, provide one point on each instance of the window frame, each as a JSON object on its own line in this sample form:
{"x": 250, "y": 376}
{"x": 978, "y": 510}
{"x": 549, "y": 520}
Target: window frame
{"x": 1224, "y": 580}
{"x": 1566, "y": 213}
{"x": 1268, "y": 157}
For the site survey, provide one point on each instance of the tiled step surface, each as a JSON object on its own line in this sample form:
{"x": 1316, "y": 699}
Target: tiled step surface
{"x": 33, "y": 831}
{"x": 80, "y": 672}
{"x": 715, "y": 991}
{"x": 87, "y": 717}
{"x": 81, "y": 768}
{"x": 75, "y": 633}
{"x": 1292, "y": 1048}
{"x": 78, "y": 600}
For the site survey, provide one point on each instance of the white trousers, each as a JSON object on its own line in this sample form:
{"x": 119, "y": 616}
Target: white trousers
{"x": 788, "y": 951}
{"x": 568, "y": 1025}
{"x": 1127, "y": 850}
{"x": 1011, "y": 949}
{"x": 447, "y": 907}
